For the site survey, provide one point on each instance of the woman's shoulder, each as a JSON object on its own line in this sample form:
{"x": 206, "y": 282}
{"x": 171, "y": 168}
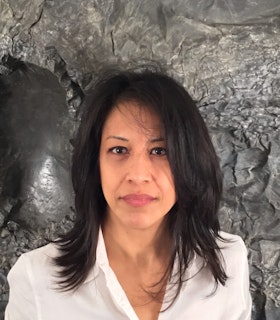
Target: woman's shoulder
{"x": 37, "y": 262}
{"x": 42, "y": 254}
{"x": 230, "y": 242}
{"x": 233, "y": 250}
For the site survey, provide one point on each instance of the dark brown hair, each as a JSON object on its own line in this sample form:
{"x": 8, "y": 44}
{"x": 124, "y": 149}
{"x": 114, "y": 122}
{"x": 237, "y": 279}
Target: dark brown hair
{"x": 193, "y": 221}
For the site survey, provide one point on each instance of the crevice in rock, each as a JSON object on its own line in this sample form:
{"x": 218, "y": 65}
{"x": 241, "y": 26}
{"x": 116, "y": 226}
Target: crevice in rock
{"x": 74, "y": 92}
{"x": 38, "y": 19}
{"x": 113, "y": 43}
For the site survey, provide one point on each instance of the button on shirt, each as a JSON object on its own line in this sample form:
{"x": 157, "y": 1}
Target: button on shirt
{"x": 34, "y": 294}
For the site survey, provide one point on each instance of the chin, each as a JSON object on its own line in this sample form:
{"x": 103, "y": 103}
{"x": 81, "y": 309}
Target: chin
{"x": 143, "y": 224}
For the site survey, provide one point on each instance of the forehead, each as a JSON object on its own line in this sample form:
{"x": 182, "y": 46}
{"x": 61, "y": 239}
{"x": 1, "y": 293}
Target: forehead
{"x": 131, "y": 115}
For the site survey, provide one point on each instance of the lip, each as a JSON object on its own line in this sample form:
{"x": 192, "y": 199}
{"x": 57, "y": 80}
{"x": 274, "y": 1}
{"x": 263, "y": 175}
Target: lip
{"x": 138, "y": 200}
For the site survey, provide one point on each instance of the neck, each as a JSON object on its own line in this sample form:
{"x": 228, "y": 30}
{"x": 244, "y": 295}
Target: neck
{"x": 137, "y": 246}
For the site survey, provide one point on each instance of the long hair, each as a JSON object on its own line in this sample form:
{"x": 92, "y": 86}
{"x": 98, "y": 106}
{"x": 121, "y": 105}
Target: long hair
{"x": 193, "y": 221}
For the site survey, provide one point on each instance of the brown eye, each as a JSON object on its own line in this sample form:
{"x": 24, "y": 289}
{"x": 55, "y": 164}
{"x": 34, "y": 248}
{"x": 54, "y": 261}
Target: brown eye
{"x": 118, "y": 150}
{"x": 159, "y": 151}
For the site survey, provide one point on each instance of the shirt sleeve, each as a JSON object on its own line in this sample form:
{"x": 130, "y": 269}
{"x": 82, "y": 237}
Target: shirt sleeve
{"x": 22, "y": 304}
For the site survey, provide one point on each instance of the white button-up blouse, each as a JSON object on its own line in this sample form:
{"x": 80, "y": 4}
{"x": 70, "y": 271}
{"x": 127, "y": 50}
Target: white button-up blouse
{"x": 33, "y": 294}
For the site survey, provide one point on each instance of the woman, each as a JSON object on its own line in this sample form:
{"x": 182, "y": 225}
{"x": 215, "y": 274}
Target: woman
{"x": 146, "y": 243}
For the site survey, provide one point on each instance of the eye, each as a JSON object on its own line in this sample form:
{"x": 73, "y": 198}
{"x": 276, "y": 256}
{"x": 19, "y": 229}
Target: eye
{"x": 118, "y": 150}
{"x": 159, "y": 151}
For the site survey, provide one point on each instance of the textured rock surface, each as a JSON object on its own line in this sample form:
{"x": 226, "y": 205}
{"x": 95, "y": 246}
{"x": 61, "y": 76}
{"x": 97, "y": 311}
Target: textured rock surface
{"x": 225, "y": 52}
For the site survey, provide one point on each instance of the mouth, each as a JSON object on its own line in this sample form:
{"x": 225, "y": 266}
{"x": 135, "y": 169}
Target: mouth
{"x": 138, "y": 200}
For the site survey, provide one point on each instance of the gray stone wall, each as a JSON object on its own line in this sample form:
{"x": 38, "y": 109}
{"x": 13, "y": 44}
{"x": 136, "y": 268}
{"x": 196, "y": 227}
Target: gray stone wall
{"x": 225, "y": 52}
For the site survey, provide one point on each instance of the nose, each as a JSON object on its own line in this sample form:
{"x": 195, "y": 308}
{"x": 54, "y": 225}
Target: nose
{"x": 139, "y": 169}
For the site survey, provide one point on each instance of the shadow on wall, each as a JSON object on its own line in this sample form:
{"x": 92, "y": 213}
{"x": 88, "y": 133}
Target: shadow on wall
{"x": 35, "y": 186}
{"x": 35, "y": 153}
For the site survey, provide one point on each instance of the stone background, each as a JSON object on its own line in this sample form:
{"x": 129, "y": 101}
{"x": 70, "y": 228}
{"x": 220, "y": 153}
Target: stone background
{"x": 227, "y": 54}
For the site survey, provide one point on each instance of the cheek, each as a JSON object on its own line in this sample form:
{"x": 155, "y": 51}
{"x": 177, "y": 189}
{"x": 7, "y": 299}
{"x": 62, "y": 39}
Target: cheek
{"x": 169, "y": 177}
{"x": 109, "y": 181}
{"x": 166, "y": 181}
{"x": 103, "y": 176}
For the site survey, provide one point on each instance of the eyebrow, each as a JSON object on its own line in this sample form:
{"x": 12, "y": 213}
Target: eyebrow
{"x": 117, "y": 137}
{"x": 160, "y": 139}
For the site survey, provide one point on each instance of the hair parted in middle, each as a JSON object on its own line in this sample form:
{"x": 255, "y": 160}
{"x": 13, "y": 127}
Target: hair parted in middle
{"x": 193, "y": 221}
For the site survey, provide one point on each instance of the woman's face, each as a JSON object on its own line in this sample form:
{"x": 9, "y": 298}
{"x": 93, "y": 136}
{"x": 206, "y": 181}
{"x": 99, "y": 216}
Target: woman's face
{"x": 135, "y": 173}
